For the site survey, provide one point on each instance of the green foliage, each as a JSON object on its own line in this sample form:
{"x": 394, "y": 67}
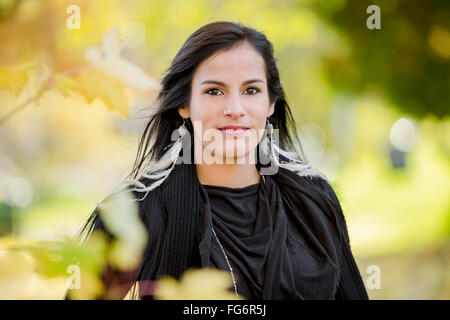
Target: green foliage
{"x": 408, "y": 59}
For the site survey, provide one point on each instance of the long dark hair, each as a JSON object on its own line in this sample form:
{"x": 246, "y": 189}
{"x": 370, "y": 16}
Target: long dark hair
{"x": 176, "y": 90}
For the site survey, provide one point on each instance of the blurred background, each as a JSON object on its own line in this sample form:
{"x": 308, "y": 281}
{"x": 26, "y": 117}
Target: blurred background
{"x": 372, "y": 108}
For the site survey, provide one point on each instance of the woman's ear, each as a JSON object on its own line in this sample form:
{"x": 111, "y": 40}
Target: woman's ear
{"x": 271, "y": 109}
{"x": 184, "y": 111}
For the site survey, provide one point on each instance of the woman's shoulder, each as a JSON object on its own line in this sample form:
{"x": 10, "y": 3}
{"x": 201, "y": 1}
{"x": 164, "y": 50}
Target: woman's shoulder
{"x": 327, "y": 190}
{"x": 321, "y": 185}
{"x": 325, "y": 187}
{"x": 315, "y": 178}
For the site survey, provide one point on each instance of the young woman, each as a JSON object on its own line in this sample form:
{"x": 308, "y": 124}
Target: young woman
{"x": 243, "y": 198}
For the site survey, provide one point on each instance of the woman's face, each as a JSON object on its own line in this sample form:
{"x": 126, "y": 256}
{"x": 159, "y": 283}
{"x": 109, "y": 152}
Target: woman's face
{"x": 229, "y": 104}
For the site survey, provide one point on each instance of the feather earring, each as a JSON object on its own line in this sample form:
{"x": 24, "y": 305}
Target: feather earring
{"x": 157, "y": 171}
{"x": 290, "y": 160}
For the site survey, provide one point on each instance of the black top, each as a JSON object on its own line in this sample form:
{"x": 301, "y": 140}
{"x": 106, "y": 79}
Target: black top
{"x": 248, "y": 228}
{"x": 243, "y": 227}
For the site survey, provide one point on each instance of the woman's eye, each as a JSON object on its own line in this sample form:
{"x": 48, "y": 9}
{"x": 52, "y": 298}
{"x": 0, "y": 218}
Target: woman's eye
{"x": 214, "y": 91}
{"x": 252, "y": 91}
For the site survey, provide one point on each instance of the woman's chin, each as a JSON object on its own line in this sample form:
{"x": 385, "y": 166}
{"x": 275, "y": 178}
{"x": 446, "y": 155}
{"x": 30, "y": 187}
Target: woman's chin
{"x": 234, "y": 156}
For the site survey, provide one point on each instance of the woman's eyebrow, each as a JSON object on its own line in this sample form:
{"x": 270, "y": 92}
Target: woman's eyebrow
{"x": 223, "y": 84}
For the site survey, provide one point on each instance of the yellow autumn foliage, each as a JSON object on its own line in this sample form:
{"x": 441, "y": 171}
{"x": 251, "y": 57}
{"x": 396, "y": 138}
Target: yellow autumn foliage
{"x": 197, "y": 284}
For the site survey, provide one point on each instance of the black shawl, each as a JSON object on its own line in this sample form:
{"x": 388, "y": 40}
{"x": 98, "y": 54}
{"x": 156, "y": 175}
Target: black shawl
{"x": 172, "y": 214}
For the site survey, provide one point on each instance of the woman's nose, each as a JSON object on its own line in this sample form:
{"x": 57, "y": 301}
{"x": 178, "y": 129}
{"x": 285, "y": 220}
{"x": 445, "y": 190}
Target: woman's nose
{"x": 234, "y": 107}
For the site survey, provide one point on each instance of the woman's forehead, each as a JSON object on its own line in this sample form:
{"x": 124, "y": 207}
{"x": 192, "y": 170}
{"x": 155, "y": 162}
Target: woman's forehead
{"x": 241, "y": 62}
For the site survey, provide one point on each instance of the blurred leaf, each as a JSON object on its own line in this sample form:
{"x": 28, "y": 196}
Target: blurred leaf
{"x": 18, "y": 279}
{"x": 120, "y": 215}
{"x": 197, "y": 284}
{"x": 91, "y": 287}
{"x": 54, "y": 258}
{"x": 13, "y": 78}
{"x": 107, "y": 59}
{"x": 39, "y": 270}
{"x": 95, "y": 84}
{"x": 15, "y": 263}
{"x": 51, "y": 259}
{"x": 66, "y": 84}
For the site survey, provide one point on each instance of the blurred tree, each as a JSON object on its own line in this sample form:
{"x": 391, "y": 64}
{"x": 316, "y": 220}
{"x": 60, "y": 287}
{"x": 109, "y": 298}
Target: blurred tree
{"x": 408, "y": 59}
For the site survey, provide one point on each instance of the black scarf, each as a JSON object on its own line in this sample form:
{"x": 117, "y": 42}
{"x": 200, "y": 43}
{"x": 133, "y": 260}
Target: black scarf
{"x": 173, "y": 216}
{"x": 312, "y": 269}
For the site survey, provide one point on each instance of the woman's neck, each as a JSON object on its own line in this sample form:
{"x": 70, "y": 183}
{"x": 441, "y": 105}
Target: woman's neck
{"x": 228, "y": 175}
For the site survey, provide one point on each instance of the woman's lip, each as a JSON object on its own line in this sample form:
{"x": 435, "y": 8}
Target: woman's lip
{"x": 233, "y": 131}
{"x": 233, "y": 127}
